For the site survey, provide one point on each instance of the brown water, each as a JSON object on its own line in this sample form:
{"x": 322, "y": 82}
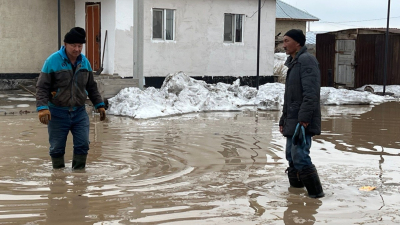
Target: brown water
{"x": 207, "y": 168}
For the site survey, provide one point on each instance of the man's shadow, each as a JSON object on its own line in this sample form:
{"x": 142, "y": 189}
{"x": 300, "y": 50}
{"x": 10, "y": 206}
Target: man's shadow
{"x": 300, "y": 208}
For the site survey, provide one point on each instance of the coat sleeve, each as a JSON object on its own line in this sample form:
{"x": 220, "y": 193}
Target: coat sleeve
{"x": 43, "y": 86}
{"x": 93, "y": 92}
{"x": 283, "y": 117}
{"x": 311, "y": 84}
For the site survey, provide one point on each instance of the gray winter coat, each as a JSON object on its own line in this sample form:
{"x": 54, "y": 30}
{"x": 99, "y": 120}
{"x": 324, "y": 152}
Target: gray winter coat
{"x": 302, "y": 94}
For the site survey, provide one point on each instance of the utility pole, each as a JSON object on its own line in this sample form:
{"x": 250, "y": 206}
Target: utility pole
{"x": 386, "y": 50}
{"x": 258, "y": 44}
{"x": 59, "y": 24}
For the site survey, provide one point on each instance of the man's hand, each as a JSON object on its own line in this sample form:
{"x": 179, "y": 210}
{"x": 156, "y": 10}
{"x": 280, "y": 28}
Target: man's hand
{"x": 102, "y": 112}
{"x": 304, "y": 124}
{"x": 44, "y": 116}
{"x": 281, "y": 129}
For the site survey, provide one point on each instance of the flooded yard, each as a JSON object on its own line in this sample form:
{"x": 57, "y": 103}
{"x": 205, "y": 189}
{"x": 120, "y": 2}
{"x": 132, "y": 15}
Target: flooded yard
{"x": 203, "y": 168}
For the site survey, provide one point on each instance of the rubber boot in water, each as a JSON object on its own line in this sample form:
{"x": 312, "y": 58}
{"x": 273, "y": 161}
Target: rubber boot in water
{"x": 79, "y": 162}
{"x": 58, "y": 162}
{"x": 309, "y": 176}
{"x": 294, "y": 179}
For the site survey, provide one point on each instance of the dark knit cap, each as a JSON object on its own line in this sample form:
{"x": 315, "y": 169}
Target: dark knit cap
{"x": 297, "y": 35}
{"x": 75, "y": 35}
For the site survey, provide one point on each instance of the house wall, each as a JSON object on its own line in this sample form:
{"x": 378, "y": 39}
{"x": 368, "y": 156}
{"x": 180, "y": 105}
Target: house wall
{"x": 124, "y": 41}
{"x": 118, "y": 55}
{"x": 29, "y": 32}
{"x": 198, "y": 48}
{"x": 282, "y": 26}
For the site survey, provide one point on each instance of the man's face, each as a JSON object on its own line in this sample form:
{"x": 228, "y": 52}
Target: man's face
{"x": 291, "y": 46}
{"x": 73, "y": 50}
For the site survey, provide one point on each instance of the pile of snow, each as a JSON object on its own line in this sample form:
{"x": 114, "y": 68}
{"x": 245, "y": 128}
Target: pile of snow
{"x": 7, "y": 84}
{"x": 394, "y": 89}
{"x": 181, "y": 94}
{"x": 333, "y": 96}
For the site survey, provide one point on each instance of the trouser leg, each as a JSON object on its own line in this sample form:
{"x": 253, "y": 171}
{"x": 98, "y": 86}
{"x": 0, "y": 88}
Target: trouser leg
{"x": 292, "y": 171}
{"x": 80, "y": 132}
{"x": 301, "y": 168}
{"x": 58, "y": 129}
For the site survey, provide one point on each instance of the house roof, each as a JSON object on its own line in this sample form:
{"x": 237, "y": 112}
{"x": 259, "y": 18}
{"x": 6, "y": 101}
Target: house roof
{"x": 378, "y": 30}
{"x": 311, "y": 37}
{"x": 285, "y": 11}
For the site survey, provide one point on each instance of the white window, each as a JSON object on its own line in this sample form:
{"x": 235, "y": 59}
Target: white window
{"x": 163, "y": 24}
{"x": 233, "y": 28}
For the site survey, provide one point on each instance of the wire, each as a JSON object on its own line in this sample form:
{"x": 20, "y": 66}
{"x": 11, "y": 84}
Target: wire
{"x": 256, "y": 11}
{"x": 356, "y": 21}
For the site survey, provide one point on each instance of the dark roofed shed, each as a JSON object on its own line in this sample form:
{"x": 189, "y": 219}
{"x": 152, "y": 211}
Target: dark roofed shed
{"x": 355, "y": 57}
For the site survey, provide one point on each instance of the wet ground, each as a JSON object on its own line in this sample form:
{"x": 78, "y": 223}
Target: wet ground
{"x": 207, "y": 168}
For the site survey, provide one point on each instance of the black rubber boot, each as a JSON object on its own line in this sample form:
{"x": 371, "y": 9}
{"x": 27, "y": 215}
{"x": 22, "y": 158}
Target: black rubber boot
{"x": 58, "y": 162}
{"x": 309, "y": 176}
{"x": 79, "y": 162}
{"x": 294, "y": 179}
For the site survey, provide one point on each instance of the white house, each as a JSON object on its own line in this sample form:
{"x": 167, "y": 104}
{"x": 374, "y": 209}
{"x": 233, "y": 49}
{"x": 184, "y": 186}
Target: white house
{"x": 151, "y": 38}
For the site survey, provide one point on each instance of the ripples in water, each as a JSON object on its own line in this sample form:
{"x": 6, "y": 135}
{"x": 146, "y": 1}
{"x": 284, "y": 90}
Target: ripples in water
{"x": 197, "y": 168}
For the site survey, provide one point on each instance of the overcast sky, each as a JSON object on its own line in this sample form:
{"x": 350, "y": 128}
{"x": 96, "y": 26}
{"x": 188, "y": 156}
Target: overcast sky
{"x": 369, "y": 13}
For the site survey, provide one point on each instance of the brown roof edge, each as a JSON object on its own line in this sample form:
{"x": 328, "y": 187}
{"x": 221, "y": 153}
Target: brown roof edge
{"x": 291, "y": 19}
{"x": 382, "y": 30}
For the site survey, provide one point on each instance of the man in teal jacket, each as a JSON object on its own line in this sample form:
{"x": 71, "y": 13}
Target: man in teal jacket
{"x": 65, "y": 82}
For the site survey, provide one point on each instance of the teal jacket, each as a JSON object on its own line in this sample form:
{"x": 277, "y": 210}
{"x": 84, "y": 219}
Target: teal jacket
{"x": 58, "y": 85}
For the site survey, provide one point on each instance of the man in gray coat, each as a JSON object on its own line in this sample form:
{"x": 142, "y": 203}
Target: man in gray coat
{"x": 301, "y": 118}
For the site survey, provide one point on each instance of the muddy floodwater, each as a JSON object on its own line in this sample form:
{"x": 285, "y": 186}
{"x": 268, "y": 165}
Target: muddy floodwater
{"x": 205, "y": 168}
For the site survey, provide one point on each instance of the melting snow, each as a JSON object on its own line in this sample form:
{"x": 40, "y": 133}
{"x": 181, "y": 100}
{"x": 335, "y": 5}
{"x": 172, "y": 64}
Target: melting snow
{"x": 181, "y": 94}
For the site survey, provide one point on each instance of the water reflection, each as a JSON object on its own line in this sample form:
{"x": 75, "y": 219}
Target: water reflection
{"x": 300, "y": 209}
{"x": 366, "y": 133}
{"x": 67, "y": 200}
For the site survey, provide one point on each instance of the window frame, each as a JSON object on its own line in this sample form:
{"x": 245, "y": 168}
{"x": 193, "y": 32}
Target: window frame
{"x": 233, "y": 28}
{"x": 164, "y": 24}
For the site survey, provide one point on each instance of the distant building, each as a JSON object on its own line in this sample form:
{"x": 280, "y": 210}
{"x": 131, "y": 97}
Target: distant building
{"x": 355, "y": 57}
{"x": 289, "y": 17}
{"x": 146, "y": 39}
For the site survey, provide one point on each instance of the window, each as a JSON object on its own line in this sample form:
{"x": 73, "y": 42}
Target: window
{"x": 233, "y": 28}
{"x": 163, "y": 24}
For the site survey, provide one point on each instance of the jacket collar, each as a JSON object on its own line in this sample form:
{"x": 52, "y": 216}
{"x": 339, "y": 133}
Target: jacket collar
{"x": 290, "y": 61}
{"x": 65, "y": 57}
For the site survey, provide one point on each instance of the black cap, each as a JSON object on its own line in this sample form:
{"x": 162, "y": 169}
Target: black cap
{"x": 297, "y": 35}
{"x": 75, "y": 35}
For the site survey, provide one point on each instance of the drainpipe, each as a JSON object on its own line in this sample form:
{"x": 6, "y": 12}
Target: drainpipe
{"x": 386, "y": 51}
{"x": 59, "y": 24}
{"x": 258, "y": 44}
